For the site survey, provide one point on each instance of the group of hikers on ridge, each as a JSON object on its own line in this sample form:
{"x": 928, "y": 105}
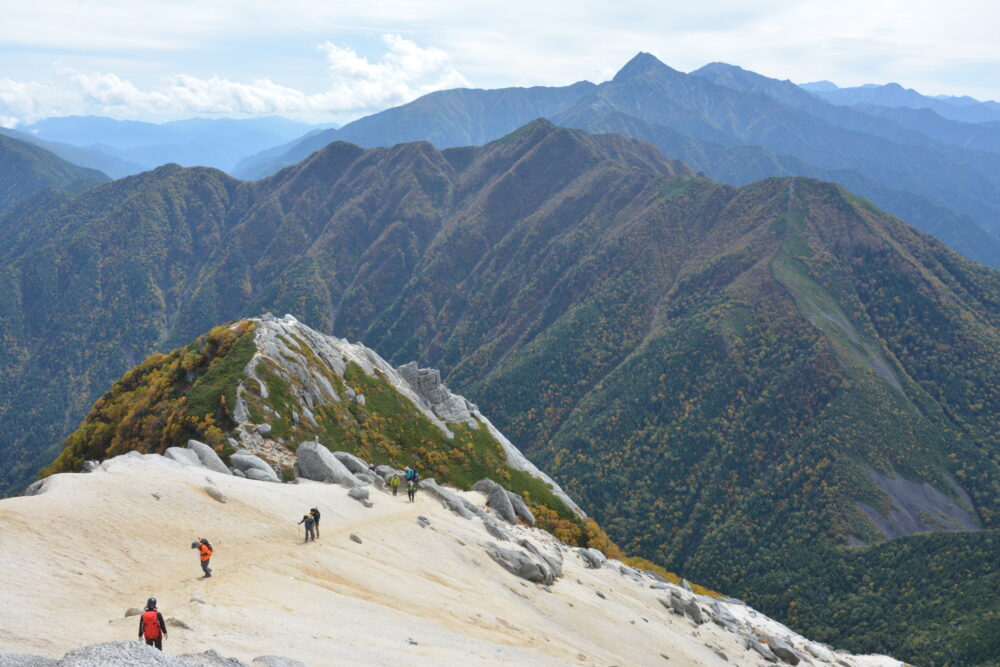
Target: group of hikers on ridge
{"x": 409, "y": 475}
{"x": 311, "y": 521}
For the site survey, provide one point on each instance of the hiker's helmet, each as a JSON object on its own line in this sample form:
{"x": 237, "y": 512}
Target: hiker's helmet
{"x": 151, "y": 603}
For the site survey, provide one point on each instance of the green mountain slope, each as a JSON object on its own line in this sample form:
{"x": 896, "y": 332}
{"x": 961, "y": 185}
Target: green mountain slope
{"x": 748, "y": 384}
{"x": 25, "y": 169}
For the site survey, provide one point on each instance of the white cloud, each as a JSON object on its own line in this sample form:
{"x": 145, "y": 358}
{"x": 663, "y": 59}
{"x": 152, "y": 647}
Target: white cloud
{"x": 356, "y": 85}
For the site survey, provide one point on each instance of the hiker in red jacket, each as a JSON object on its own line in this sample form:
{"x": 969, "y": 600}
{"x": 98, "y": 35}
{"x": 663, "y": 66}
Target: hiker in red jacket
{"x": 205, "y": 551}
{"x": 151, "y": 625}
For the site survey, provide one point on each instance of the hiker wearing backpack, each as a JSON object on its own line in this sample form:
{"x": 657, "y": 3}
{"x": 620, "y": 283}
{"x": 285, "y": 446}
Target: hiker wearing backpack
{"x": 411, "y": 489}
{"x": 315, "y": 515}
{"x": 205, "y": 552}
{"x": 151, "y": 625}
{"x": 394, "y": 483}
{"x": 310, "y": 523}
{"x": 412, "y": 475}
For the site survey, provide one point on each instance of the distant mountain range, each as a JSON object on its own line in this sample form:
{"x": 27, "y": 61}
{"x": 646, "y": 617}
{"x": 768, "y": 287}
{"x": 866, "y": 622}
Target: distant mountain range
{"x": 736, "y": 127}
{"x": 777, "y": 389}
{"x": 965, "y": 109}
{"x": 209, "y": 142}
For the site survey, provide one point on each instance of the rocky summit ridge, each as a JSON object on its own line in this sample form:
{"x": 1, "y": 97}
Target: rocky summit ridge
{"x": 443, "y": 580}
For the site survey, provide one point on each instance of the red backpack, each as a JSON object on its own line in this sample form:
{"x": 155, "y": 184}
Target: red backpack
{"x": 151, "y": 624}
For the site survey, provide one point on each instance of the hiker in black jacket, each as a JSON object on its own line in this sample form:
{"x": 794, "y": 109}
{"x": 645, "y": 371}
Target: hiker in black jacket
{"x": 315, "y": 515}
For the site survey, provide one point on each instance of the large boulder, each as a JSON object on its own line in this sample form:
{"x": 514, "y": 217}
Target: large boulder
{"x": 447, "y": 498}
{"x": 208, "y": 457}
{"x": 593, "y": 558}
{"x": 497, "y": 499}
{"x": 782, "y": 649}
{"x": 521, "y": 508}
{"x": 519, "y": 563}
{"x": 553, "y": 563}
{"x": 316, "y": 462}
{"x": 361, "y": 495}
{"x": 36, "y": 487}
{"x": 260, "y": 475}
{"x": 247, "y": 461}
{"x": 352, "y": 462}
{"x": 183, "y": 456}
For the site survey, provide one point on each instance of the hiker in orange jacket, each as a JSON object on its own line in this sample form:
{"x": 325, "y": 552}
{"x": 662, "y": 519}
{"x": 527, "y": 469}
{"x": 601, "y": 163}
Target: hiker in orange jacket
{"x": 205, "y": 551}
{"x": 151, "y": 625}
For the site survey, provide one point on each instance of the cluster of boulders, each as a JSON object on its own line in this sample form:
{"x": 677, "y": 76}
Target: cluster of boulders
{"x": 137, "y": 654}
{"x": 243, "y": 462}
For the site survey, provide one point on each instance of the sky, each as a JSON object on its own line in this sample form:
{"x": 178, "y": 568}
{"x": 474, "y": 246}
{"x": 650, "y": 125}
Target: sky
{"x": 335, "y": 60}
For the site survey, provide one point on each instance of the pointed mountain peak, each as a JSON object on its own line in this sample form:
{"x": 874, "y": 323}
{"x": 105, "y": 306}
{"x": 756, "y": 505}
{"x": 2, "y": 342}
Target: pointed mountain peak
{"x": 642, "y": 64}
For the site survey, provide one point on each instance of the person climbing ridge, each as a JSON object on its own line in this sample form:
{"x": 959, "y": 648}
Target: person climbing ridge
{"x": 411, "y": 489}
{"x": 205, "y": 552}
{"x": 315, "y": 515}
{"x": 310, "y": 523}
{"x": 394, "y": 483}
{"x": 151, "y": 625}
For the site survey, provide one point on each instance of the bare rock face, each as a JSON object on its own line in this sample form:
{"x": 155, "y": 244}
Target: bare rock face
{"x": 316, "y": 462}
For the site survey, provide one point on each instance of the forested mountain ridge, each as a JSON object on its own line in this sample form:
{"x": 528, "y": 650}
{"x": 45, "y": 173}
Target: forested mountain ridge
{"x": 738, "y": 382}
{"x": 26, "y": 169}
{"x": 734, "y": 125}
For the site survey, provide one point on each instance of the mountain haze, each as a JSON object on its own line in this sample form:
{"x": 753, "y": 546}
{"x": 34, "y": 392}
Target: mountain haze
{"x": 746, "y": 384}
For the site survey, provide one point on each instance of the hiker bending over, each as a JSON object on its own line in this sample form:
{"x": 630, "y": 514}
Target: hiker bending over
{"x": 151, "y": 625}
{"x": 310, "y": 524}
{"x": 315, "y": 515}
{"x": 205, "y": 552}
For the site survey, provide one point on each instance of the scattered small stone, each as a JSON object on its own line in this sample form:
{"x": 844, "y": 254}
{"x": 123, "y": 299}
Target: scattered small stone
{"x": 411, "y": 642}
{"x": 423, "y": 521}
{"x": 355, "y": 538}
{"x": 198, "y": 600}
{"x": 215, "y": 494}
{"x": 132, "y": 611}
{"x": 600, "y": 595}
{"x": 665, "y": 656}
{"x": 177, "y": 623}
{"x": 155, "y": 495}
{"x": 718, "y": 651}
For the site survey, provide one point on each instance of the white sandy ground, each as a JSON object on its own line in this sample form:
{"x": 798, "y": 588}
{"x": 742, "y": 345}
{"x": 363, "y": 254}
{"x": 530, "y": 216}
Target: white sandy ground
{"x": 74, "y": 558}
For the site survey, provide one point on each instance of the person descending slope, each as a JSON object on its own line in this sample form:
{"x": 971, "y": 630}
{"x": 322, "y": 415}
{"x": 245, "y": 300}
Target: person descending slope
{"x": 394, "y": 483}
{"x": 152, "y": 626}
{"x": 411, "y": 490}
{"x": 205, "y": 552}
{"x": 412, "y": 475}
{"x": 315, "y": 515}
{"x": 310, "y": 523}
